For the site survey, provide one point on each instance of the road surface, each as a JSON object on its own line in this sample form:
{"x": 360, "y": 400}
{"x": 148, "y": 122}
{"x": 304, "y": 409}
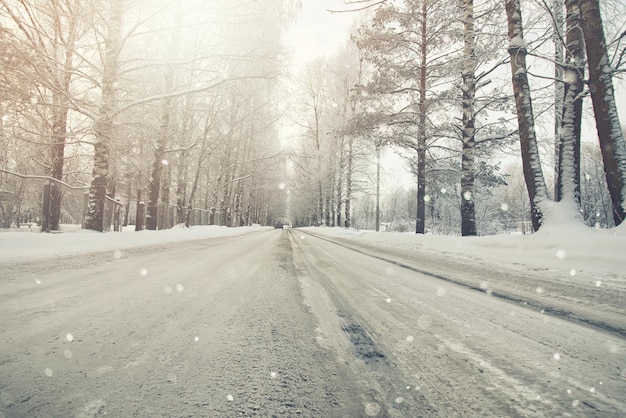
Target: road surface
{"x": 283, "y": 323}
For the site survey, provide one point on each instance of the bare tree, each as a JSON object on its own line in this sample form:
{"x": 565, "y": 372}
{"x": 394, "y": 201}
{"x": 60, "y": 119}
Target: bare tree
{"x": 535, "y": 182}
{"x": 103, "y": 125}
{"x": 45, "y": 36}
{"x": 612, "y": 142}
{"x": 567, "y": 183}
{"x": 409, "y": 46}
{"x": 468, "y": 217}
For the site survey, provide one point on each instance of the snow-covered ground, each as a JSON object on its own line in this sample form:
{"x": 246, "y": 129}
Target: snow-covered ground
{"x": 262, "y": 322}
{"x": 19, "y": 246}
{"x": 563, "y": 249}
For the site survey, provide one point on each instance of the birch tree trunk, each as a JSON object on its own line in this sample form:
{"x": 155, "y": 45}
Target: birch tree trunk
{"x": 568, "y": 179}
{"x": 468, "y": 218}
{"x": 340, "y": 176}
{"x": 612, "y": 143}
{"x": 557, "y": 38}
{"x": 349, "y": 168}
{"x": 421, "y": 126}
{"x": 533, "y": 174}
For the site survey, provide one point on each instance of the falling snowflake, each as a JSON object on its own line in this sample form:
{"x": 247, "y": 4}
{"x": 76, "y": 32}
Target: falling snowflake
{"x": 424, "y": 321}
{"x": 372, "y": 409}
{"x": 570, "y": 76}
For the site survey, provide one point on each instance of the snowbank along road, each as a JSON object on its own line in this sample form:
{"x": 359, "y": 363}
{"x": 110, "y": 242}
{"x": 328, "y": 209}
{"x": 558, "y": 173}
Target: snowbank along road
{"x": 284, "y": 323}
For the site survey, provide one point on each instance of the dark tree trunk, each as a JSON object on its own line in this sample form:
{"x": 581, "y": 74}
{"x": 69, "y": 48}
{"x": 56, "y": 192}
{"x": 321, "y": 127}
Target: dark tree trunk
{"x": 159, "y": 161}
{"x": 152, "y": 221}
{"x": 99, "y": 177}
{"x": 612, "y": 143}
{"x": 533, "y": 174}
{"x": 181, "y": 190}
{"x": 60, "y": 115}
{"x": 196, "y": 177}
{"x": 104, "y": 124}
{"x": 140, "y": 212}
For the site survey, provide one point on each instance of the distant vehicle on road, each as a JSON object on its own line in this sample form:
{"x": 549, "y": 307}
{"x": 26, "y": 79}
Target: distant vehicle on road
{"x": 278, "y": 225}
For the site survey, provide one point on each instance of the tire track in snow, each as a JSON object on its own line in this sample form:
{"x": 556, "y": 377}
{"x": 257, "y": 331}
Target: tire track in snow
{"x": 561, "y": 312}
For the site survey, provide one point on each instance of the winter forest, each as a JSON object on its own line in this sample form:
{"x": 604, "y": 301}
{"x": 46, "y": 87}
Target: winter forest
{"x": 155, "y": 113}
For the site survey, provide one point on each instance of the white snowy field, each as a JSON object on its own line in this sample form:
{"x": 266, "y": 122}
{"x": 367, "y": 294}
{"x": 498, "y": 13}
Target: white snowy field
{"x": 565, "y": 250}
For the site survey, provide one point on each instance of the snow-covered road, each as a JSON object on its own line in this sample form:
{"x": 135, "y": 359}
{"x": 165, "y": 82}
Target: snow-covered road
{"x": 283, "y": 323}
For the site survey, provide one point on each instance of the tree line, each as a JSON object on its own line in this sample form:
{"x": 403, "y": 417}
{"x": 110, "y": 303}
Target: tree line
{"x": 461, "y": 88}
{"x": 171, "y": 103}
{"x": 182, "y": 105}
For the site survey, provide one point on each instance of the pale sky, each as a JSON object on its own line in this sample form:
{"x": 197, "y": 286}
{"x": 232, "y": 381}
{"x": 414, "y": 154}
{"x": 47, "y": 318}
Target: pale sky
{"x": 318, "y": 32}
